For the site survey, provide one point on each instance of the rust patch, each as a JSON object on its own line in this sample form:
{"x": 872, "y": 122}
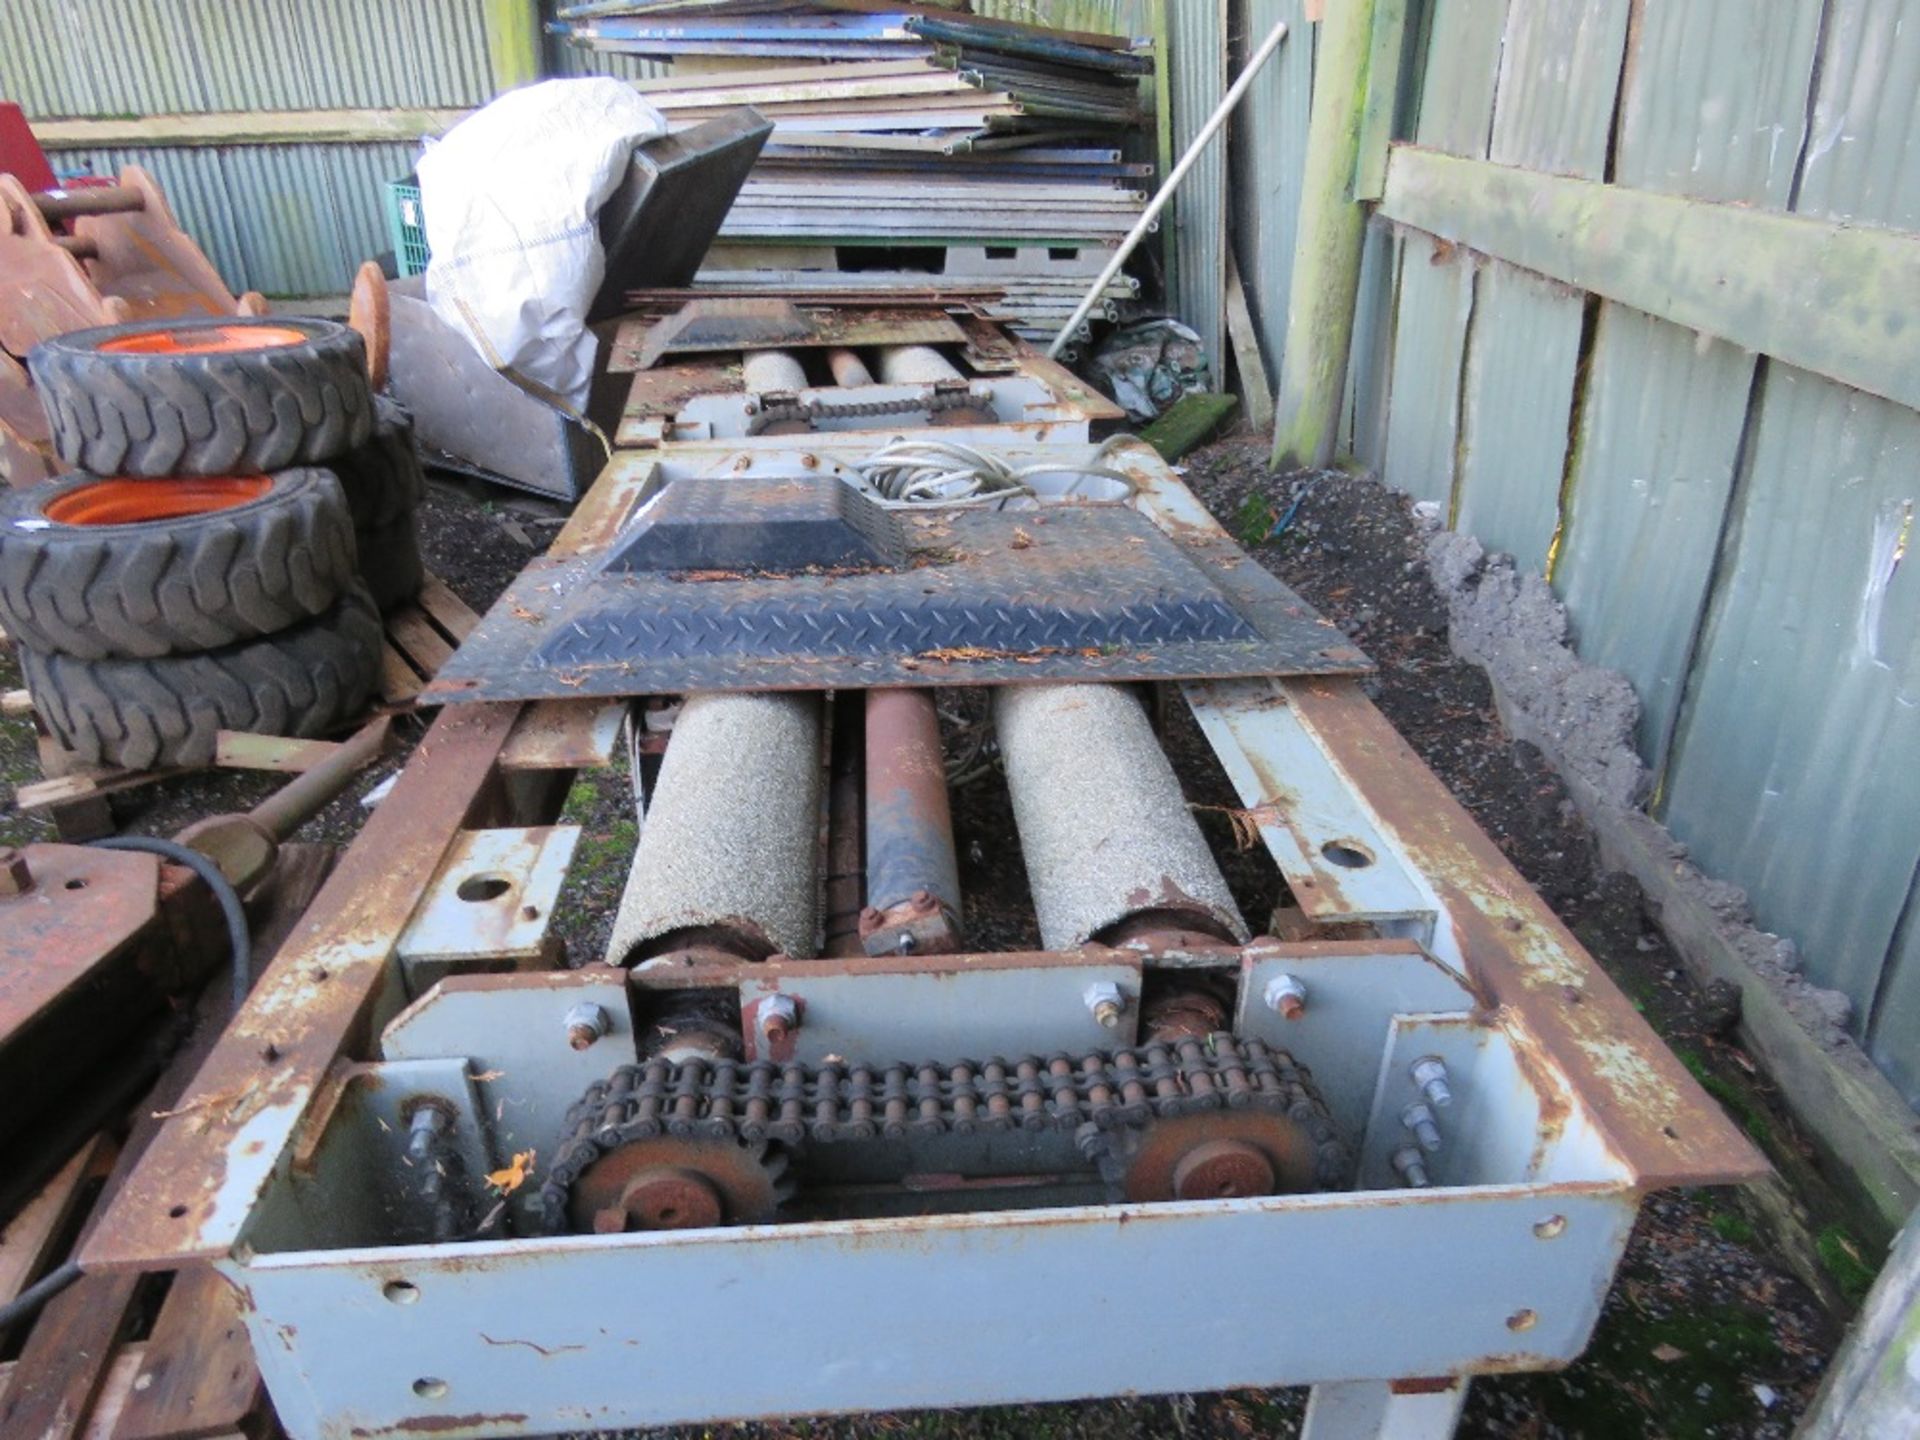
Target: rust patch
{"x": 1424, "y": 1385}
{"x": 1650, "y": 1110}
{"x": 275, "y": 1052}
{"x": 439, "y": 1425}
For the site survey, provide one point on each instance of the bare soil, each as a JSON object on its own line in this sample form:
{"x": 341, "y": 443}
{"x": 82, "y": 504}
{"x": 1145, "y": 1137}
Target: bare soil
{"x": 1705, "y": 1335}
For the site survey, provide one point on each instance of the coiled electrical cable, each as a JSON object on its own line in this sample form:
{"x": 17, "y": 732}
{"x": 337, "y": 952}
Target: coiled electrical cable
{"x": 944, "y": 473}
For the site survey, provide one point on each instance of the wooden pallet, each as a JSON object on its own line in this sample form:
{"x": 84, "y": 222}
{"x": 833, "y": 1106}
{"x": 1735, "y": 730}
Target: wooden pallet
{"x": 102, "y": 1360}
{"x": 421, "y": 635}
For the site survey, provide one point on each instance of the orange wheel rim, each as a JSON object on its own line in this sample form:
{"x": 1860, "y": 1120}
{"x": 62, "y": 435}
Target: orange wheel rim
{"x": 133, "y": 502}
{"x": 203, "y": 340}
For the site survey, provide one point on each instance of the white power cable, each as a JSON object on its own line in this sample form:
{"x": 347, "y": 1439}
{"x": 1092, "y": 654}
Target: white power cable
{"x": 944, "y": 473}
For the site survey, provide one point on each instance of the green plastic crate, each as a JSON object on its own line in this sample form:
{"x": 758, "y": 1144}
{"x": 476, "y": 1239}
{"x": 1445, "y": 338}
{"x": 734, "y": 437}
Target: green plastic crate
{"x": 408, "y": 226}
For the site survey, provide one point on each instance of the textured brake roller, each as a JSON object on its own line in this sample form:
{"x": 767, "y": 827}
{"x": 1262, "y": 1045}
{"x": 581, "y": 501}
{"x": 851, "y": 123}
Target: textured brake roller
{"x": 661, "y": 1144}
{"x": 924, "y": 365}
{"x": 775, "y": 372}
{"x": 1112, "y": 850}
{"x": 729, "y": 852}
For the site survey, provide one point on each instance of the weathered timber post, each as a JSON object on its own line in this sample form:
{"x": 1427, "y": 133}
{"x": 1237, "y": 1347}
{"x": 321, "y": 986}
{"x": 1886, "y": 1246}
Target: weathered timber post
{"x": 1326, "y": 271}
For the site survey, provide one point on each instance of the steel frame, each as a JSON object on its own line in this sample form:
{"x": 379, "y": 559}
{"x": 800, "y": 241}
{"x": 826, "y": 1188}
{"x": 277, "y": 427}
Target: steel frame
{"x": 1572, "y": 1110}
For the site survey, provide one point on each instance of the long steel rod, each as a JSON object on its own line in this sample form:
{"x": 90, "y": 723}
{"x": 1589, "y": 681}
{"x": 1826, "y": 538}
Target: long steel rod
{"x": 1228, "y": 103}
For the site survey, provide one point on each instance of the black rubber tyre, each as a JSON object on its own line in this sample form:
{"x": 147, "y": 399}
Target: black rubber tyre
{"x": 184, "y": 409}
{"x": 147, "y": 588}
{"x": 143, "y": 714}
{"x": 390, "y": 562}
{"x": 383, "y": 478}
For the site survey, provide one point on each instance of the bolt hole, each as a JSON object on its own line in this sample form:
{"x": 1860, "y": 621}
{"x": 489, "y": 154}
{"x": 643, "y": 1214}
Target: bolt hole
{"x": 1551, "y": 1228}
{"x": 478, "y": 888}
{"x": 401, "y": 1292}
{"x": 76, "y": 884}
{"x": 669, "y": 1214}
{"x": 430, "y": 1387}
{"x": 1522, "y": 1320}
{"x": 176, "y": 1212}
{"x": 1347, "y": 854}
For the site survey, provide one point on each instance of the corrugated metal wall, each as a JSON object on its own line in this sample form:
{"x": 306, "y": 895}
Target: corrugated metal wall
{"x": 282, "y": 219}
{"x": 298, "y": 219}
{"x": 1726, "y": 531}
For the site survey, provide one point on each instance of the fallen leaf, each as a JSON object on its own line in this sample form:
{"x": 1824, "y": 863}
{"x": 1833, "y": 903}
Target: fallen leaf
{"x": 515, "y": 1175}
{"x": 1668, "y": 1353}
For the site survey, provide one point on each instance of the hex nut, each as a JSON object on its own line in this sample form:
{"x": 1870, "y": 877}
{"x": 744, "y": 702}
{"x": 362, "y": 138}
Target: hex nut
{"x": 1286, "y": 996}
{"x": 1105, "y": 1003}
{"x": 586, "y": 1023}
{"x": 779, "y": 1017}
{"x": 1430, "y": 1074}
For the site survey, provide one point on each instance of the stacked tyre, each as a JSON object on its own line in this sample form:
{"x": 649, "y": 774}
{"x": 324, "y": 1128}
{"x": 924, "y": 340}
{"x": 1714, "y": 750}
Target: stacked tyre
{"x": 239, "y": 509}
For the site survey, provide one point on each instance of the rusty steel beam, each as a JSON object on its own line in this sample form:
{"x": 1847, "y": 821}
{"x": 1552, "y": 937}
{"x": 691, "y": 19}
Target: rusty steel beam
{"x": 319, "y": 999}
{"x": 913, "y": 880}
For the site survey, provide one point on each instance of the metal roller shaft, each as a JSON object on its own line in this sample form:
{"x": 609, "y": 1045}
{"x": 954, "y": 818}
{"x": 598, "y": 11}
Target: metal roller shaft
{"x": 1110, "y": 845}
{"x": 913, "y": 880}
{"x": 730, "y": 848}
{"x": 849, "y": 370}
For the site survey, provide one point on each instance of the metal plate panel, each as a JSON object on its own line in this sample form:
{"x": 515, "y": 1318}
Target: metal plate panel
{"x": 1306, "y": 813}
{"x": 513, "y": 1040}
{"x": 971, "y": 1011}
{"x": 1353, "y": 995}
{"x": 1793, "y": 774}
{"x": 1559, "y": 73}
{"x": 1655, "y": 461}
{"x": 1069, "y": 592}
{"x": 1859, "y": 163}
{"x": 494, "y": 895}
{"x": 535, "y": 1337}
{"x": 1520, "y": 368}
{"x": 1436, "y": 297}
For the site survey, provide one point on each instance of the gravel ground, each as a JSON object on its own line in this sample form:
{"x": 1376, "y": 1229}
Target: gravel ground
{"x": 1703, "y": 1336}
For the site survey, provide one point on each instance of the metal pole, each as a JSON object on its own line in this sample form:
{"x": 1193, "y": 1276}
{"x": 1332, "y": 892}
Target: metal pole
{"x": 1228, "y": 103}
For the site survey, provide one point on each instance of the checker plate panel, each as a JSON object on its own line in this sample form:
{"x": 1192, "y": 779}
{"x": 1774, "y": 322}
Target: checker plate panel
{"x": 1066, "y": 592}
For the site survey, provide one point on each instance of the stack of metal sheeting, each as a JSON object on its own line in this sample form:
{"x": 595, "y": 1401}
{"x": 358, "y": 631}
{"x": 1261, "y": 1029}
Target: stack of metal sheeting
{"x": 917, "y": 143}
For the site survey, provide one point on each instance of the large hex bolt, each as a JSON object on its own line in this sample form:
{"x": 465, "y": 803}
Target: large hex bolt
{"x": 1418, "y": 1118}
{"x": 15, "y": 877}
{"x": 779, "y": 1017}
{"x": 1105, "y": 1003}
{"x": 1430, "y": 1074}
{"x": 1411, "y": 1167}
{"x": 587, "y": 1023}
{"x": 1286, "y": 996}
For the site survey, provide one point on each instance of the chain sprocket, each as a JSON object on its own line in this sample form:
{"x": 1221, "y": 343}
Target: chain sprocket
{"x": 1192, "y": 1118}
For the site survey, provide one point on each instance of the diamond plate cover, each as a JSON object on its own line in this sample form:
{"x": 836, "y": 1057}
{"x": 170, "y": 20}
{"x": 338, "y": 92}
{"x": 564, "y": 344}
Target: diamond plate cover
{"x": 967, "y": 597}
